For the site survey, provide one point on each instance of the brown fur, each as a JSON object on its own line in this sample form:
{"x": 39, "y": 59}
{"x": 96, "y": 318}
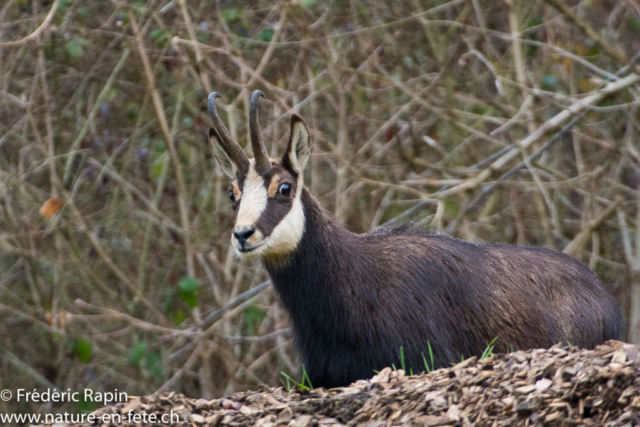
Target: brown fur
{"x": 236, "y": 190}
{"x": 356, "y": 299}
{"x": 273, "y": 186}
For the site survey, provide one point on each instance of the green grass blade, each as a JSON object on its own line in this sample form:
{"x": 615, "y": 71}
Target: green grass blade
{"x": 305, "y": 377}
{"x": 489, "y": 350}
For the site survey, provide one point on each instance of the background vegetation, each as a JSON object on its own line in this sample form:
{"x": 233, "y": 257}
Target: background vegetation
{"x": 492, "y": 120}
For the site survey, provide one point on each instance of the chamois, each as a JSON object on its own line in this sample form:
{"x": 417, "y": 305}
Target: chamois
{"x": 355, "y": 299}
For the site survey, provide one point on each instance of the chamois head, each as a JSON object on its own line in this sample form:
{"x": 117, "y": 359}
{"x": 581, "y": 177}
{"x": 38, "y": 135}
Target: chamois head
{"x": 265, "y": 193}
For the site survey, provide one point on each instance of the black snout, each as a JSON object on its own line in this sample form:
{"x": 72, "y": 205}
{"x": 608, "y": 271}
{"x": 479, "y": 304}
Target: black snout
{"x": 242, "y": 236}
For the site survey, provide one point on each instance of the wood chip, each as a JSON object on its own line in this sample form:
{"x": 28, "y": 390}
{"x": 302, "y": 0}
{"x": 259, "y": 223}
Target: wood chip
{"x": 558, "y": 386}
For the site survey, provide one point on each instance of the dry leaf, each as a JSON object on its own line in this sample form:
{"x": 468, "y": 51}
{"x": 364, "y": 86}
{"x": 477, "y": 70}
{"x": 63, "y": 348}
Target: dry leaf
{"x": 48, "y": 318}
{"x": 51, "y": 207}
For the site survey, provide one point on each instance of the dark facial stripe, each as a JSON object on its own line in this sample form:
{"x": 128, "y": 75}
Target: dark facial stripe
{"x": 277, "y": 208}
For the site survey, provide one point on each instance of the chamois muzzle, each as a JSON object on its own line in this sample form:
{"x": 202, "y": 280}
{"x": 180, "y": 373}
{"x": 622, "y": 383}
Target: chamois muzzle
{"x": 242, "y": 236}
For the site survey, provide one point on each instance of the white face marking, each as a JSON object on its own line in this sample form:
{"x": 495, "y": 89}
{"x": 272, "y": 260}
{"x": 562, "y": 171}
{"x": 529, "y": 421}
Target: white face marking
{"x": 253, "y": 201}
{"x": 285, "y": 236}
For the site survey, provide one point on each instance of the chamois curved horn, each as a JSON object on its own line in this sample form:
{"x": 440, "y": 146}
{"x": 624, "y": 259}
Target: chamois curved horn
{"x": 263, "y": 163}
{"x": 233, "y": 149}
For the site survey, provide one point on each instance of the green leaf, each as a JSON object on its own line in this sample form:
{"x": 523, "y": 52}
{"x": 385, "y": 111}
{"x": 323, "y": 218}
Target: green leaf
{"x": 480, "y": 110}
{"x": 75, "y": 47}
{"x": 157, "y": 168}
{"x": 633, "y": 24}
{"x": 308, "y": 3}
{"x": 179, "y": 317}
{"x": 189, "y": 298}
{"x": 159, "y": 146}
{"x": 188, "y": 284}
{"x": 65, "y": 4}
{"x": 154, "y": 364}
{"x": 132, "y": 111}
{"x": 74, "y": 50}
{"x": 231, "y": 15}
{"x": 254, "y": 313}
{"x": 85, "y": 12}
{"x": 137, "y": 353}
{"x": 535, "y": 20}
{"x": 82, "y": 349}
{"x": 265, "y": 35}
{"x": 252, "y": 316}
{"x": 86, "y": 406}
{"x": 159, "y": 36}
{"x": 138, "y": 6}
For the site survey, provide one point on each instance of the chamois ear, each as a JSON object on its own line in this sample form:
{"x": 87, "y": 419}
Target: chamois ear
{"x": 297, "y": 153}
{"x": 220, "y": 153}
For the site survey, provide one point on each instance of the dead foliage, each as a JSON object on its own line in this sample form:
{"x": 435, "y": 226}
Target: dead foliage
{"x": 559, "y": 386}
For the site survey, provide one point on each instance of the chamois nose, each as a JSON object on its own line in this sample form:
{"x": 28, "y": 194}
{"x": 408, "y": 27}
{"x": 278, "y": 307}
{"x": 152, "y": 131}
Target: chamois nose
{"x": 242, "y": 236}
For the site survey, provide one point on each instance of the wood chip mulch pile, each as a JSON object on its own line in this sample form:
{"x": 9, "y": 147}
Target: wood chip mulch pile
{"x": 558, "y": 386}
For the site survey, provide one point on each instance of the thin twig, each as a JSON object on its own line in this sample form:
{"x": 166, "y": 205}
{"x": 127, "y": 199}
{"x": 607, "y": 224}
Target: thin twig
{"x": 549, "y": 125}
{"x": 36, "y": 34}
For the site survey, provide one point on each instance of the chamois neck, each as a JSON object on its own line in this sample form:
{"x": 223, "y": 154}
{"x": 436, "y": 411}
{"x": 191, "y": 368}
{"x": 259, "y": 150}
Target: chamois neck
{"x": 319, "y": 222}
{"x": 319, "y": 280}
{"x": 324, "y": 249}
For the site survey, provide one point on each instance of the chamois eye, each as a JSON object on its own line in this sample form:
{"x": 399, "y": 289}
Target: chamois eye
{"x": 285, "y": 189}
{"x": 232, "y": 196}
